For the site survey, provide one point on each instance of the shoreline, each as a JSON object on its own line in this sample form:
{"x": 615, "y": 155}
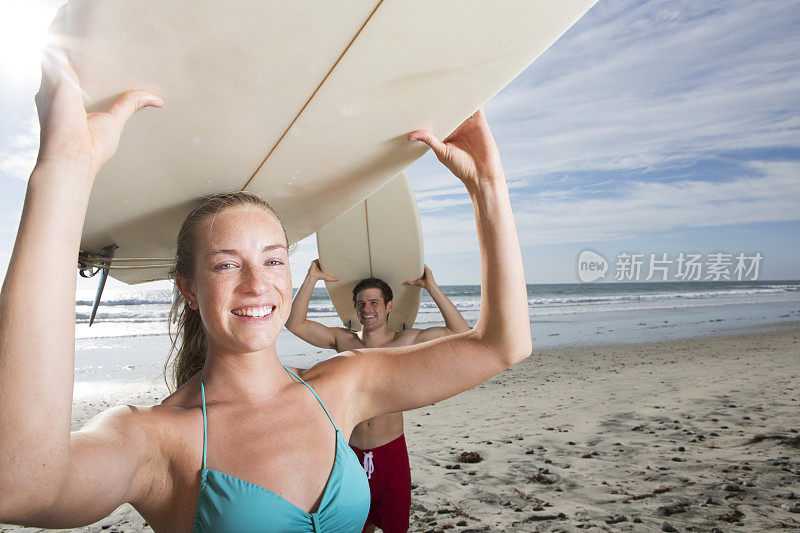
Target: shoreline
{"x": 579, "y": 437}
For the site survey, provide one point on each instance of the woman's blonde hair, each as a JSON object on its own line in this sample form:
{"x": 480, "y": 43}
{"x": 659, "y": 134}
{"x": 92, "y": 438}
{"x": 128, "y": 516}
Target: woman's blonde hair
{"x": 189, "y": 344}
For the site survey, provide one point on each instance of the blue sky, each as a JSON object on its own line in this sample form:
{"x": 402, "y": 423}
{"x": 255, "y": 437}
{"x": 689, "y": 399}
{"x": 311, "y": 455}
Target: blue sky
{"x": 661, "y": 127}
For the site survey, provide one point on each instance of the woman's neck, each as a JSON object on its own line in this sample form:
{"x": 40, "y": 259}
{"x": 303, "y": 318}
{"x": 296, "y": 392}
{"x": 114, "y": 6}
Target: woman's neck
{"x": 244, "y": 377}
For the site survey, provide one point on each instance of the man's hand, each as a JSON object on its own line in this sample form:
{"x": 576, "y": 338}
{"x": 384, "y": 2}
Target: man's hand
{"x": 298, "y": 323}
{"x": 315, "y": 272}
{"x": 425, "y": 281}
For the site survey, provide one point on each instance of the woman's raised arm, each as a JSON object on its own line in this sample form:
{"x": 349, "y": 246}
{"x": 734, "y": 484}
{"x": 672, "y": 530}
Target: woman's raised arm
{"x": 397, "y": 379}
{"x": 37, "y": 303}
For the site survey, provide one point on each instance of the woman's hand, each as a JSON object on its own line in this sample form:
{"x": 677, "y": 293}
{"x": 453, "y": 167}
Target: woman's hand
{"x": 69, "y": 134}
{"x": 58, "y": 479}
{"x": 388, "y": 380}
{"x": 469, "y": 152}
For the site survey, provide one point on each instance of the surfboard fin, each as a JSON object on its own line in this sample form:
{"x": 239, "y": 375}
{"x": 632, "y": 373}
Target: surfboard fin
{"x": 89, "y": 266}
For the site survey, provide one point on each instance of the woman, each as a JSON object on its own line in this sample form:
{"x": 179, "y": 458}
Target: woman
{"x": 243, "y": 445}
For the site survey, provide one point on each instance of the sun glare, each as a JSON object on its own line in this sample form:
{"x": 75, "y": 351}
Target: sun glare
{"x": 23, "y": 26}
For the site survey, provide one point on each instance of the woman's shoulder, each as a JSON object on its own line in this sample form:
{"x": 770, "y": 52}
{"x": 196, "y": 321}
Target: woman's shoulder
{"x": 187, "y": 396}
{"x": 332, "y": 369}
{"x": 333, "y": 379}
{"x": 166, "y": 434}
{"x": 148, "y": 422}
{"x": 161, "y": 443}
{"x": 156, "y": 428}
{"x": 179, "y": 415}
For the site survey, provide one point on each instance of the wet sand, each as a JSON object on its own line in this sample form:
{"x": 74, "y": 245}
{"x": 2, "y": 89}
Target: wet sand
{"x": 697, "y": 435}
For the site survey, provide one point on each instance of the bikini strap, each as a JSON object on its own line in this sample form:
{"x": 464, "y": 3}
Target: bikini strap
{"x": 315, "y": 395}
{"x": 205, "y": 425}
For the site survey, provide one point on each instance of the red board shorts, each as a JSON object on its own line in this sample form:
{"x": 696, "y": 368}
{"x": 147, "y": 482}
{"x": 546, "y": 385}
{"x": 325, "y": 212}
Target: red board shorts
{"x": 389, "y": 478}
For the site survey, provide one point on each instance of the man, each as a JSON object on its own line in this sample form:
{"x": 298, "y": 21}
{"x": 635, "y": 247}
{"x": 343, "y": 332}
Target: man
{"x": 378, "y": 442}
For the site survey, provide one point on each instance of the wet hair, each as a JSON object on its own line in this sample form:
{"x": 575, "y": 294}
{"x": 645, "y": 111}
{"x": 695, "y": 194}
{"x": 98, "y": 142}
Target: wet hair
{"x": 189, "y": 343}
{"x": 373, "y": 283}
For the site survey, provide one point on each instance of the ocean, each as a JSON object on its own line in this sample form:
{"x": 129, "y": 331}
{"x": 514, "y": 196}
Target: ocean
{"x": 128, "y": 341}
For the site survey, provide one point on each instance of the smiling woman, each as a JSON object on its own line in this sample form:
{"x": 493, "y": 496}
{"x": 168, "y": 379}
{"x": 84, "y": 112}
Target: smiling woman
{"x": 246, "y": 445}
{"x": 223, "y": 262}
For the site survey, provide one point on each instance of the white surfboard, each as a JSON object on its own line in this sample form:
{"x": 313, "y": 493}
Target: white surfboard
{"x": 306, "y": 103}
{"x": 380, "y": 237}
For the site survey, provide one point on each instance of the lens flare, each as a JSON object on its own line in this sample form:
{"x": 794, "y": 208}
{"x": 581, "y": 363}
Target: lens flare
{"x": 23, "y": 28}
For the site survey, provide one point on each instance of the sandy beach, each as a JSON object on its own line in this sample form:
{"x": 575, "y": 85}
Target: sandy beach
{"x": 695, "y": 434}
{"x": 620, "y": 438}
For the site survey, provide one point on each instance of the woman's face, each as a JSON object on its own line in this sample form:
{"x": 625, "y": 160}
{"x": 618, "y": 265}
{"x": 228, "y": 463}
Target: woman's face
{"x": 242, "y": 284}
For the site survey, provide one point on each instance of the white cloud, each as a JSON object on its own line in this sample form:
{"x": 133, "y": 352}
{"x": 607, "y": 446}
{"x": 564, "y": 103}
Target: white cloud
{"x": 433, "y": 205}
{"x": 19, "y": 156}
{"x": 429, "y": 198}
{"x": 18, "y": 164}
{"x": 639, "y": 90}
{"x": 423, "y": 193}
{"x": 771, "y": 193}
{"x": 26, "y": 140}
{"x": 637, "y": 87}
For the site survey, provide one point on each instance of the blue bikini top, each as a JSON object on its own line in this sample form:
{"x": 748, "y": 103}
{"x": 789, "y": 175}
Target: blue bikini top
{"x": 226, "y": 504}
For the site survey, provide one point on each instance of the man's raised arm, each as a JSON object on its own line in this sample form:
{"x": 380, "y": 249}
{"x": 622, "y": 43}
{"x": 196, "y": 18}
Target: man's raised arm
{"x": 310, "y": 331}
{"x": 454, "y": 322}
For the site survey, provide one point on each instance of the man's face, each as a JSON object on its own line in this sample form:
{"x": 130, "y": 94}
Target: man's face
{"x": 372, "y": 311}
